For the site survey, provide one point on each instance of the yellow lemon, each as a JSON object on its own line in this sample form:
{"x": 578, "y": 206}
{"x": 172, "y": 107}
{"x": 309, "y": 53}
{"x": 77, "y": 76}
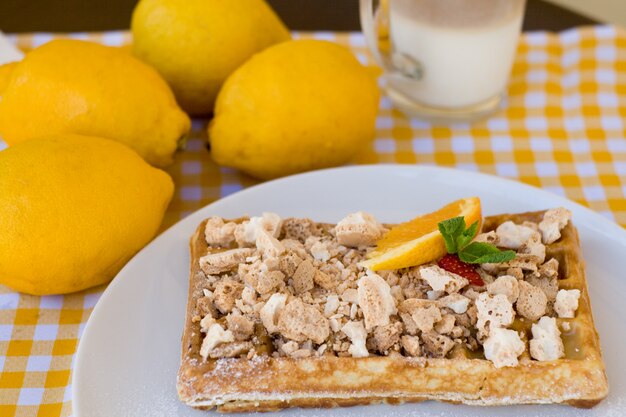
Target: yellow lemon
{"x": 72, "y": 86}
{"x": 73, "y": 210}
{"x": 5, "y": 75}
{"x": 196, "y": 44}
{"x": 296, "y": 106}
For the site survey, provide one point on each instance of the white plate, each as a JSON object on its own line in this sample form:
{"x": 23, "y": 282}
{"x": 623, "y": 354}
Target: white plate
{"x": 129, "y": 353}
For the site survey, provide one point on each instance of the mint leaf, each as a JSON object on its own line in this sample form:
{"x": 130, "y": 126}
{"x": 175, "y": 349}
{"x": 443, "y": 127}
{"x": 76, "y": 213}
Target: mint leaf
{"x": 458, "y": 239}
{"x": 484, "y": 253}
{"x": 450, "y": 229}
{"x": 466, "y": 237}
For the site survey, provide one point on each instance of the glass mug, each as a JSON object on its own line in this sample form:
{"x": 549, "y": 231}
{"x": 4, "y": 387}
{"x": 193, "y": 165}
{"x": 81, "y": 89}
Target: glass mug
{"x": 444, "y": 60}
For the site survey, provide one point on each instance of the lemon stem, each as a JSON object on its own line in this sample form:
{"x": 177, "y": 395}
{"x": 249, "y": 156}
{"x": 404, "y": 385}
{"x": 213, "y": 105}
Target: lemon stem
{"x": 181, "y": 144}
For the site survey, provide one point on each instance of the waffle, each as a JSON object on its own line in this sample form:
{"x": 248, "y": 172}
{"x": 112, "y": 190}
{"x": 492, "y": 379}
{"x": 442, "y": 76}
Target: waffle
{"x": 265, "y": 382}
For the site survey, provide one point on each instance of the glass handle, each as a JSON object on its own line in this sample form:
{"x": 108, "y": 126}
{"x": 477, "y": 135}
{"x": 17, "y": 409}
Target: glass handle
{"x": 378, "y": 38}
{"x": 369, "y": 28}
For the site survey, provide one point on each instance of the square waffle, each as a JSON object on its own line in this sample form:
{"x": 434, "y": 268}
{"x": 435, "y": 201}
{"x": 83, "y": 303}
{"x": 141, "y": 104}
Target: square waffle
{"x": 265, "y": 382}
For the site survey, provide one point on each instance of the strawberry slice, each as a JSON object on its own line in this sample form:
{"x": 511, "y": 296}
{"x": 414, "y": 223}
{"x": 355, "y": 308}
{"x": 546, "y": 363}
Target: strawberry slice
{"x": 452, "y": 263}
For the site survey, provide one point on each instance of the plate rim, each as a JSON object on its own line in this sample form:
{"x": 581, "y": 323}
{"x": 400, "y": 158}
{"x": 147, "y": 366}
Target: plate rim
{"x": 605, "y": 226}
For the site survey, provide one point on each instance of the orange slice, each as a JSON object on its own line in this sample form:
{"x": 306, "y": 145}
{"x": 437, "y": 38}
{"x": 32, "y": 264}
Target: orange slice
{"x": 418, "y": 241}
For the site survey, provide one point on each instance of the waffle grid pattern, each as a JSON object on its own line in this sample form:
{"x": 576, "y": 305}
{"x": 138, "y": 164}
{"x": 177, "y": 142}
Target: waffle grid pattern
{"x": 563, "y": 128}
{"x": 577, "y": 379}
{"x": 580, "y": 342}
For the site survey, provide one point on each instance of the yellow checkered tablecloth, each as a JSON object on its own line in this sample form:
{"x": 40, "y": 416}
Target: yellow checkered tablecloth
{"x": 562, "y": 128}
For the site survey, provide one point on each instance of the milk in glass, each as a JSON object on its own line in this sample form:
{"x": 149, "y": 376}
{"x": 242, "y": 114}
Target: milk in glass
{"x": 450, "y": 54}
